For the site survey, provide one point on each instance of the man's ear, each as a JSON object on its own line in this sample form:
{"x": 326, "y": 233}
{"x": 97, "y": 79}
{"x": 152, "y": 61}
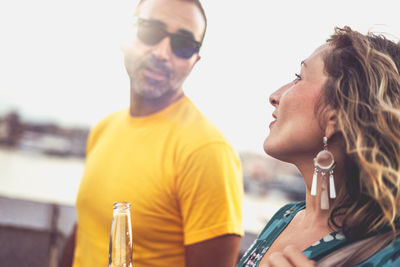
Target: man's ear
{"x": 198, "y": 57}
{"x": 331, "y": 123}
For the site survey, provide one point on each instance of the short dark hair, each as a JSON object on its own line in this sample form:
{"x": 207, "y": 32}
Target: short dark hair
{"x": 199, "y": 5}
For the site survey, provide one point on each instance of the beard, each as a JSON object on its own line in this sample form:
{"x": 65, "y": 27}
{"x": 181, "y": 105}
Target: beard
{"x": 150, "y": 77}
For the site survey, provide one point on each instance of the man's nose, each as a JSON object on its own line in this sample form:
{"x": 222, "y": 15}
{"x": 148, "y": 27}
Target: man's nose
{"x": 162, "y": 50}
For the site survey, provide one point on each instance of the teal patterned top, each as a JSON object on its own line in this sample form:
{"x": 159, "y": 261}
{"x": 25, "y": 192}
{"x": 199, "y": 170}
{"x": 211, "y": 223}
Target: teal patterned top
{"x": 387, "y": 256}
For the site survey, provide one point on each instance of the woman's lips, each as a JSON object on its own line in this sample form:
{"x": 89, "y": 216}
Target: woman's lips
{"x": 274, "y": 117}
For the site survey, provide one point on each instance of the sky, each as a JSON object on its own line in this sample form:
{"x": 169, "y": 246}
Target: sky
{"x": 60, "y": 61}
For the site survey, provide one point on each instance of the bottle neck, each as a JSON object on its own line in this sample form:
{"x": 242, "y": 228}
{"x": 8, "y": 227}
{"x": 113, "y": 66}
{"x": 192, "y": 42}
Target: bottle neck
{"x": 121, "y": 208}
{"x": 120, "y": 248}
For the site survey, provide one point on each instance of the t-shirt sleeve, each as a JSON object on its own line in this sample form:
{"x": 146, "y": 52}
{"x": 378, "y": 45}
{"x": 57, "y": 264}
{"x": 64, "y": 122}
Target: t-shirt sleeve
{"x": 95, "y": 133}
{"x": 210, "y": 192}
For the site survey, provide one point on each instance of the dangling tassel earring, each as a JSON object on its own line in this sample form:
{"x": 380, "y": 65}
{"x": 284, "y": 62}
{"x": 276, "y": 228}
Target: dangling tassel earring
{"x": 324, "y": 163}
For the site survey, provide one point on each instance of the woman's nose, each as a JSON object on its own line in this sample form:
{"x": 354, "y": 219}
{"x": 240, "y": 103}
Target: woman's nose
{"x": 274, "y": 98}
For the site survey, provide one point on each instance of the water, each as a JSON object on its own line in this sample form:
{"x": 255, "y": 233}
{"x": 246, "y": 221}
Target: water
{"x": 37, "y": 177}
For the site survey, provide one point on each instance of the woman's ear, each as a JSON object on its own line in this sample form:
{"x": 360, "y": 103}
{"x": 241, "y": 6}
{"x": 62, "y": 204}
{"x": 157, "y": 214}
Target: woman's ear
{"x": 331, "y": 123}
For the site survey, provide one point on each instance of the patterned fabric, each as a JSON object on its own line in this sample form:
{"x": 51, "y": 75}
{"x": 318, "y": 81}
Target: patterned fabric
{"x": 389, "y": 256}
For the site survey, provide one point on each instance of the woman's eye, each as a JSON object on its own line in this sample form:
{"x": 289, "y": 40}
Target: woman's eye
{"x": 298, "y": 77}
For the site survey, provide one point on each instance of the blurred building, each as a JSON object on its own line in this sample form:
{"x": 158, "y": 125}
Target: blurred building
{"x": 48, "y": 138}
{"x": 10, "y": 129}
{"x": 265, "y": 175}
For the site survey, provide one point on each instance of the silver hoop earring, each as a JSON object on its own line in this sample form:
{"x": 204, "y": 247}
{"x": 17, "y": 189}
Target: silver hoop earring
{"x": 324, "y": 163}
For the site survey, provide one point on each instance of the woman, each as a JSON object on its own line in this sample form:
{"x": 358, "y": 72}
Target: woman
{"x": 339, "y": 123}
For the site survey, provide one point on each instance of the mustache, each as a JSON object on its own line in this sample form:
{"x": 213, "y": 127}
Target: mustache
{"x": 159, "y": 65}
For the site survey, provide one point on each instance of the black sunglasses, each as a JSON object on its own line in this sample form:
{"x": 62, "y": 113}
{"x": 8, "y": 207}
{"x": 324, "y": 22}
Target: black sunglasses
{"x": 151, "y": 32}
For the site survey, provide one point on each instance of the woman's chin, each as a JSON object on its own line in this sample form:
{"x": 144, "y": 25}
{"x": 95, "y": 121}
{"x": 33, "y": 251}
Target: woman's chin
{"x": 274, "y": 150}
{"x": 268, "y": 148}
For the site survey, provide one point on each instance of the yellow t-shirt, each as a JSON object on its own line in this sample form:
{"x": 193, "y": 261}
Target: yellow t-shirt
{"x": 183, "y": 180}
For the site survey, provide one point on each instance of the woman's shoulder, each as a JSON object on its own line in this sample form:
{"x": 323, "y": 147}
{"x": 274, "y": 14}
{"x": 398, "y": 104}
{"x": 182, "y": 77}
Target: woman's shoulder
{"x": 370, "y": 252}
{"x": 282, "y": 217}
{"x": 389, "y": 255}
{"x": 289, "y": 210}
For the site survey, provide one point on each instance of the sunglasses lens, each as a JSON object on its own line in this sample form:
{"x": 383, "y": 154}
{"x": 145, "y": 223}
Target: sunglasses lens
{"x": 150, "y": 34}
{"x": 183, "y": 47}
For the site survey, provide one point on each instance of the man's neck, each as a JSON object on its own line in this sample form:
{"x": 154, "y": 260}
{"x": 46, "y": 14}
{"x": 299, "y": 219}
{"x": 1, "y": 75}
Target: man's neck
{"x": 140, "y": 106}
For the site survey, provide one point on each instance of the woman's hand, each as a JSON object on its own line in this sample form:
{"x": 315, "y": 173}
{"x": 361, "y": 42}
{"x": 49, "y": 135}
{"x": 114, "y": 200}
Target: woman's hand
{"x": 289, "y": 257}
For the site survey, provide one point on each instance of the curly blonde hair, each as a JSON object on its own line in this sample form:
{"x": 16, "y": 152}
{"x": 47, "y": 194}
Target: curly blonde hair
{"x": 363, "y": 86}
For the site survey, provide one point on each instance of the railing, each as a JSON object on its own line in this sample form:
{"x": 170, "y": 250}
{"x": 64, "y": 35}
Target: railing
{"x": 34, "y": 233}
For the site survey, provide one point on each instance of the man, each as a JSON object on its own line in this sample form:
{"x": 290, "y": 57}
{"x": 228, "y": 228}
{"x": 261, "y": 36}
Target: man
{"x": 162, "y": 155}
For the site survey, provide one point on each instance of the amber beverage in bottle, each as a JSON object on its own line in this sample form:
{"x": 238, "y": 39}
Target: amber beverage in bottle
{"x": 120, "y": 250}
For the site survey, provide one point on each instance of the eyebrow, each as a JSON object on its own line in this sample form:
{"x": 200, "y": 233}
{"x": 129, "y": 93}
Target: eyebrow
{"x": 182, "y": 32}
{"x": 155, "y": 22}
{"x": 186, "y": 33}
{"x": 303, "y": 63}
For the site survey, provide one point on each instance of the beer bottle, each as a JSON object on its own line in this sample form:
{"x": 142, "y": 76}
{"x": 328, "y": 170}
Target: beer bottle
{"x": 120, "y": 249}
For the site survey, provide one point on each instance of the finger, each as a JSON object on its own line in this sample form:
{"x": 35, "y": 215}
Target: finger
{"x": 296, "y": 257}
